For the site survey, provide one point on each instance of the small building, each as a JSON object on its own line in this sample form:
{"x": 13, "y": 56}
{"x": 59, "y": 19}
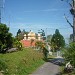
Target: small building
{"x": 32, "y": 35}
{"x": 30, "y": 39}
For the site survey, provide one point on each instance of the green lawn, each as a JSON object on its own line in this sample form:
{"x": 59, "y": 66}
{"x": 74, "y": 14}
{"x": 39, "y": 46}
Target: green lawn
{"x": 22, "y": 62}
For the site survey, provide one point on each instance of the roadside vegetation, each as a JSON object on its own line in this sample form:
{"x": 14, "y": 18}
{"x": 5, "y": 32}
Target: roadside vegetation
{"x": 69, "y": 56}
{"x": 57, "y": 41}
{"x": 7, "y": 41}
{"x": 20, "y": 63}
{"x": 24, "y": 61}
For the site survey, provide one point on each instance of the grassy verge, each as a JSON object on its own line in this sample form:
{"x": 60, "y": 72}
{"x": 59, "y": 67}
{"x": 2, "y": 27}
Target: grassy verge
{"x": 21, "y": 62}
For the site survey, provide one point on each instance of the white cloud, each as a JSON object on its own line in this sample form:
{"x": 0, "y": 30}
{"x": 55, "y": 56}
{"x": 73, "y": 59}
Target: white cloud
{"x": 47, "y": 10}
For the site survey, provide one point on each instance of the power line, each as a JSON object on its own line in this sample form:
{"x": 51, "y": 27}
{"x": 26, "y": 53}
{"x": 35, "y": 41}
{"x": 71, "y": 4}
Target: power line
{"x": 1, "y": 7}
{"x": 42, "y": 28}
{"x": 59, "y": 28}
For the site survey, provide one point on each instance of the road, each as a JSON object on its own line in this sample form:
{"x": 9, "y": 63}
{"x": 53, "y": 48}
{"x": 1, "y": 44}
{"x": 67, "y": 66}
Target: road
{"x": 49, "y": 68}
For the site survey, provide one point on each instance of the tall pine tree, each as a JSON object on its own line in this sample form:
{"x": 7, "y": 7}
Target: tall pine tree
{"x": 57, "y": 40}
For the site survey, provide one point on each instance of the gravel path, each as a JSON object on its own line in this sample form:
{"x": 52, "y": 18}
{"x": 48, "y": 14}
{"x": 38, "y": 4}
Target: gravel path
{"x": 49, "y": 68}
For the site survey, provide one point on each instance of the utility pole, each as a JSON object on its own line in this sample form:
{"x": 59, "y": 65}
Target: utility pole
{"x": 46, "y": 34}
{"x": 1, "y": 6}
{"x": 0, "y": 14}
{"x": 74, "y": 21}
{"x": 0, "y": 10}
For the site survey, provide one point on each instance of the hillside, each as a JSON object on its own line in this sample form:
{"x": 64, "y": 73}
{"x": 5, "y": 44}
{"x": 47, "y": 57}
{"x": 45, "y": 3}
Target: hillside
{"x": 20, "y": 63}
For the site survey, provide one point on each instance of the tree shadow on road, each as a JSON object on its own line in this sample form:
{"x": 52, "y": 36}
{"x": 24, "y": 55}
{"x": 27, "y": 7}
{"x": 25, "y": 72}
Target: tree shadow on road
{"x": 56, "y": 61}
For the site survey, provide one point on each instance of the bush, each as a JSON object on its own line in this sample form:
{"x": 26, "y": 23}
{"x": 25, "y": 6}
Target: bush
{"x": 18, "y": 45}
{"x": 39, "y": 44}
{"x": 69, "y": 54}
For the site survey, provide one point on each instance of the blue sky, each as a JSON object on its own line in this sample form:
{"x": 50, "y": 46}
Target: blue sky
{"x": 37, "y": 14}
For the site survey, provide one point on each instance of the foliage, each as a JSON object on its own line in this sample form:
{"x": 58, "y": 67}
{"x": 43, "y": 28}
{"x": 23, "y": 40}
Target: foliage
{"x": 20, "y": 34}
{"x": 6, "y": 39}
{"x": 45, "y": 52}
{"x": 17, "y": 44}
{"x": 57, "y": 40}
{"x": 43, "y": 47}
{"x": 22, "y": 62}
{"x": 49, "y": 37}
{"x": 19, "y": 31}
{"x": 69, "y": 53}
{"x": 39, "y": 44}
{"x": 42, "y": 32}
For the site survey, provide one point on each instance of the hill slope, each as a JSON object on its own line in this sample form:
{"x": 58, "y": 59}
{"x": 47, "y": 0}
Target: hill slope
{"x": 21, "y": 62}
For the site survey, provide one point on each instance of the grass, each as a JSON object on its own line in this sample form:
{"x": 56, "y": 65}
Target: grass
{"x": 22, "y": 62}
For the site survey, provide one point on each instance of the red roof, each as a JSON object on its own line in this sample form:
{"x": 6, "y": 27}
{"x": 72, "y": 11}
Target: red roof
{"x": 27, "y": 43}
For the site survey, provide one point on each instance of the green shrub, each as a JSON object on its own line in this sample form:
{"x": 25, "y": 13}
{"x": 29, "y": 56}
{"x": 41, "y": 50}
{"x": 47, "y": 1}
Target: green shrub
{"x": 18, "y": 45}
{"x": 69, "y": 53}
{"x": 39, "y": 44}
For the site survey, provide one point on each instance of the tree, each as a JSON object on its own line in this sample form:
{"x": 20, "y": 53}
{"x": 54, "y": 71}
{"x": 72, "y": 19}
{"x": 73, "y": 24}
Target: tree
{"x": 39, "y": 44}
{"x": 49, "y": 37}
{"x": 57, "y": 40}
{"x": 45, "y": 52}
{"x": 72, "y": 11}
{"x": 17, "y": 44}
{"x": 6, "y": 39}
{"x": 42, "y": 32}
{"x": 20, "y": 34}
{"x": 19, "y": 31}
